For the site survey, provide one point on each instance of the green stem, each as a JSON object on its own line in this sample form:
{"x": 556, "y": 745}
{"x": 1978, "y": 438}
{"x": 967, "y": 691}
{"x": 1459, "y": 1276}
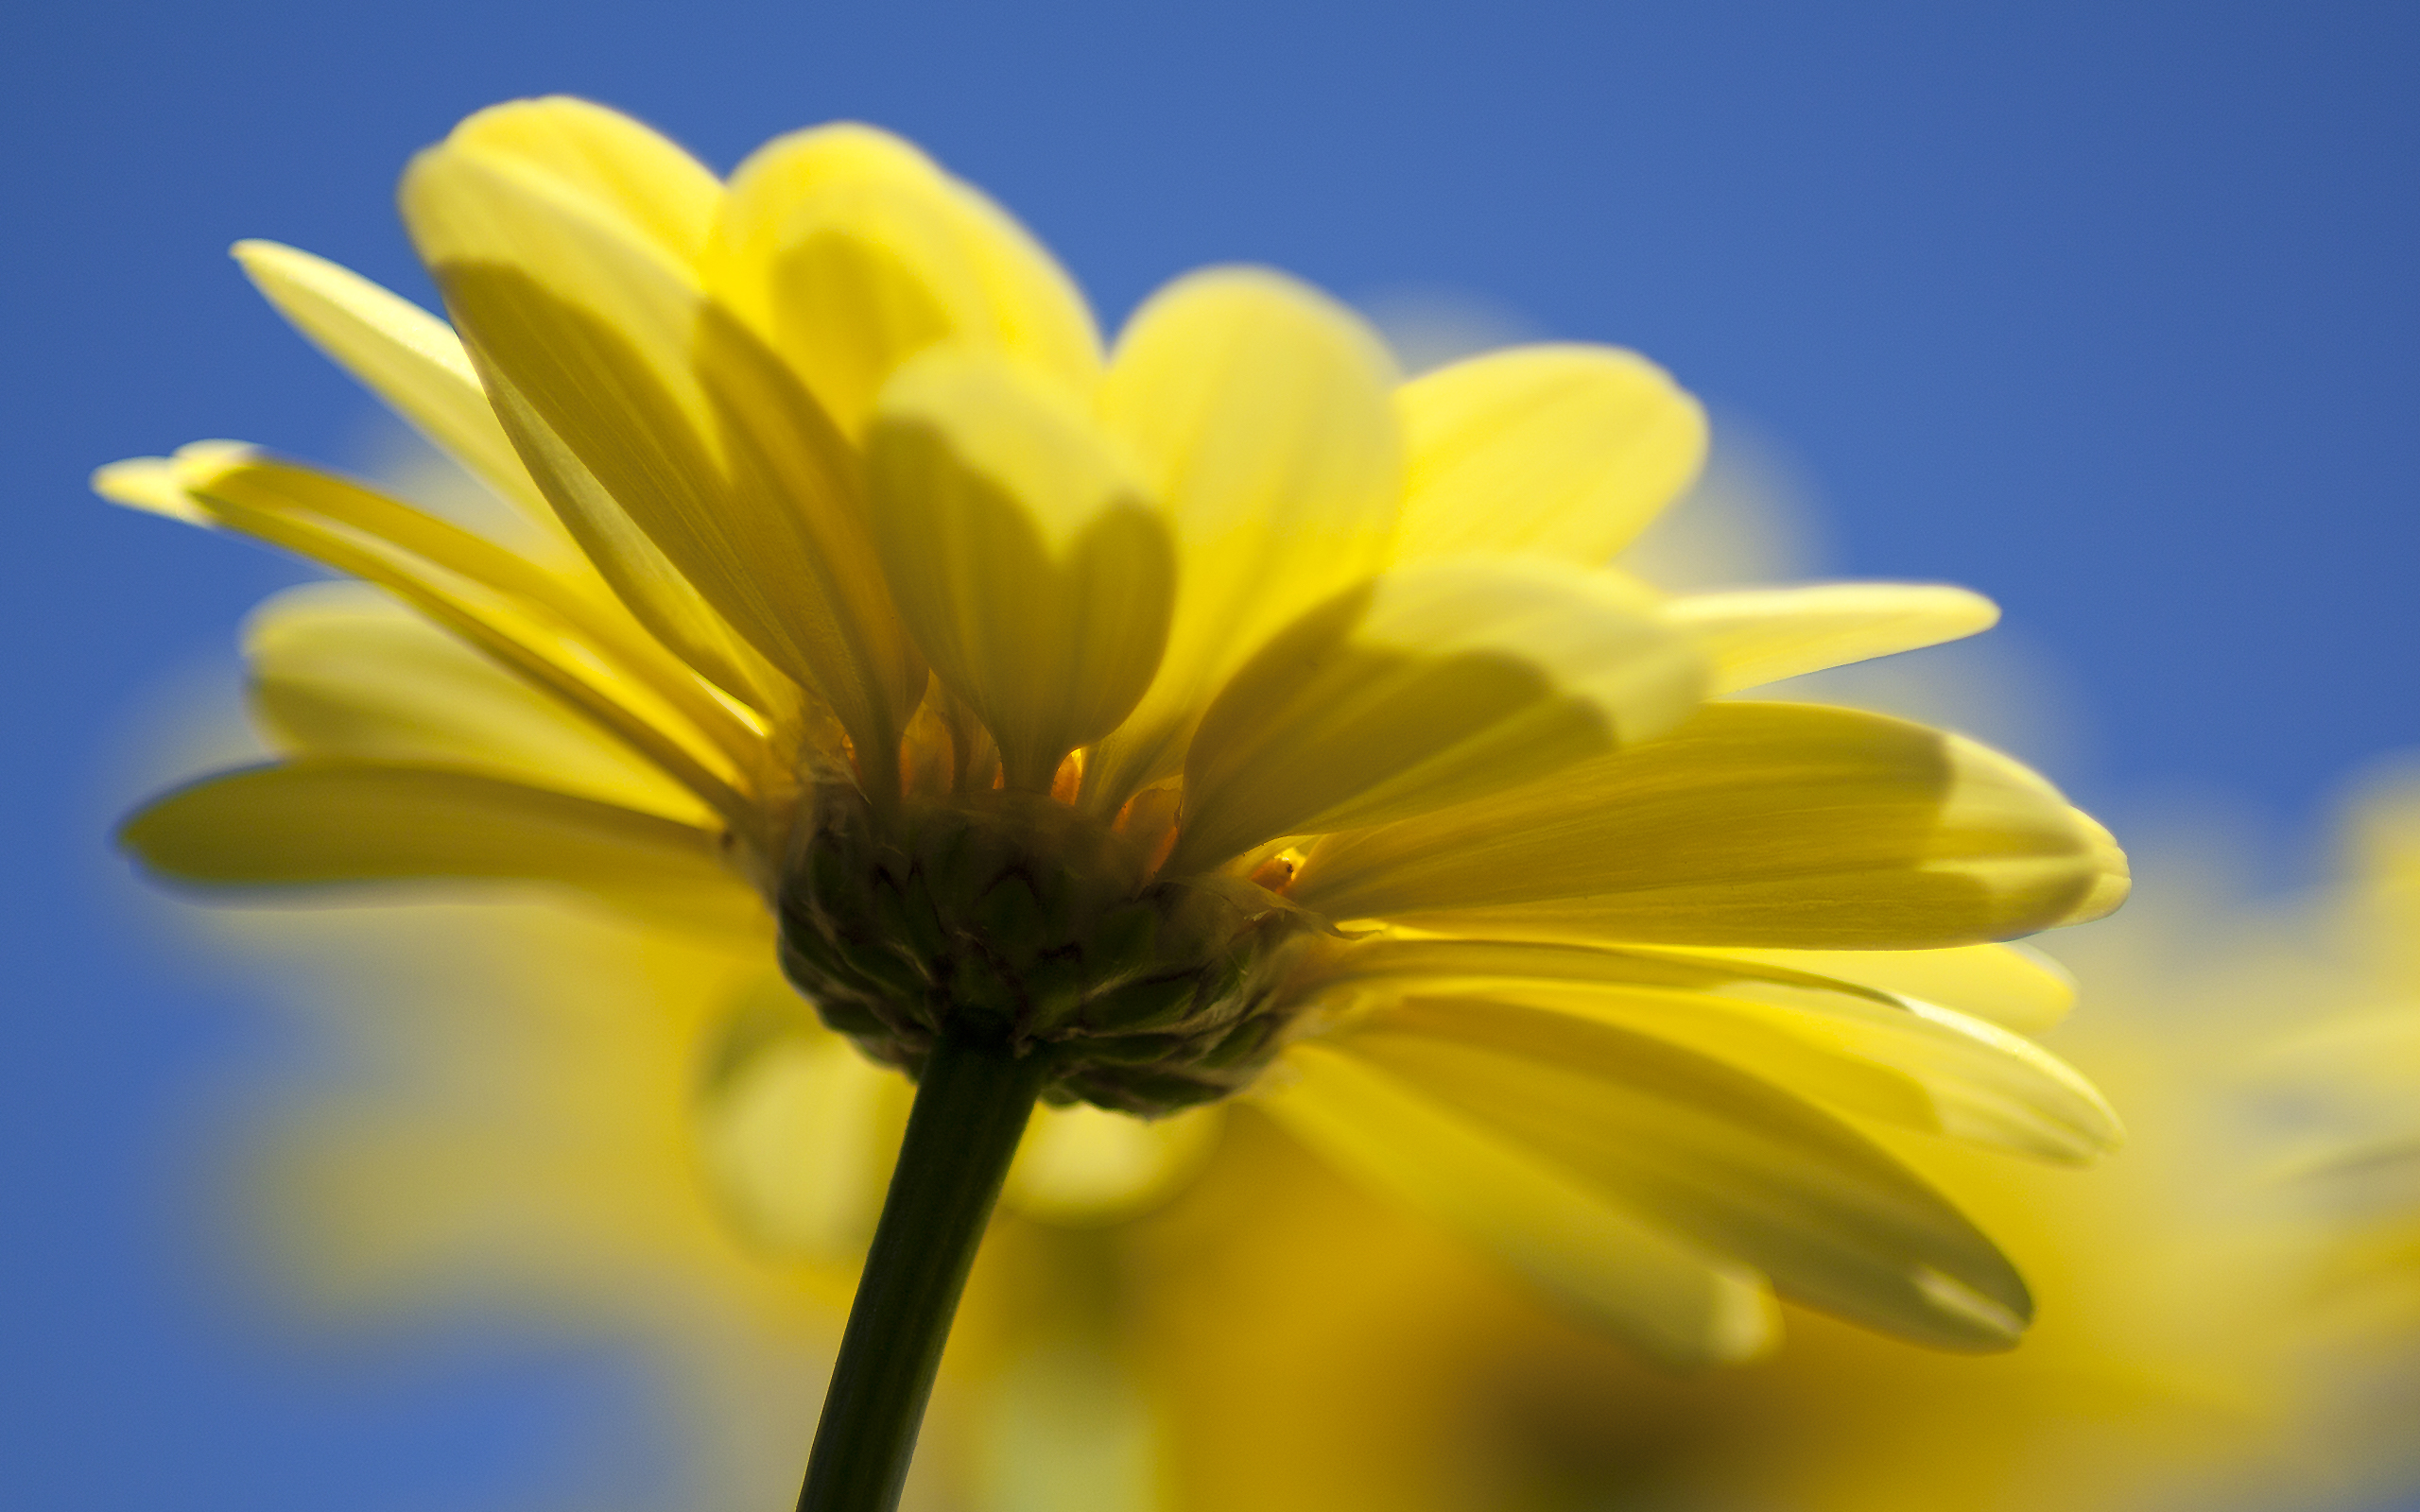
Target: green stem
{"x": 971, "y": 1110}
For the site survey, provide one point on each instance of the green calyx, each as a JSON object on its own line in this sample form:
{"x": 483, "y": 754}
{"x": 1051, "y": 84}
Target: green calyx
{"x": 1010, "y": 919}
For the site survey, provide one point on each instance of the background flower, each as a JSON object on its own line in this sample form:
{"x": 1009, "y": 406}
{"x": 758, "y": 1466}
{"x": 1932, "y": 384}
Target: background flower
{"x": 2344, "y": 1086}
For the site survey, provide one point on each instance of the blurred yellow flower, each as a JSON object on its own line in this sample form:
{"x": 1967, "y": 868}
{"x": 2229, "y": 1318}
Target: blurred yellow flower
{"x": 1250, "y": 1329}
{"x": 2372, "y": 1058}
{"x": 2345, "y": 1086}
{"x": 1211, "y": 716}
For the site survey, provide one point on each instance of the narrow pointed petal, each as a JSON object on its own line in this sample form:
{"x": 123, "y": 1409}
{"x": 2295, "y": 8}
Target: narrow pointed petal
{"x": 849, "y": 251}
{"x": 210, "y": 483}
{"x": 326, "y": 823}
{"x": 641, "y": 575}
{"x": 416, "y": 363}
{"x": 535, "y": 627}
{"x": 1725, "y": 1159}
{"x": 599, "y": 349}
{"x": 1679, "y": 1305}
{"x": 1755, "y": 824}
{"x": 1904, "y": 1060}
{"x": 403, "y": 355}
{"x": 1562, "y": 451}
{"x": 1763, "y": 635}
{"x": 1023, "y": 550}
{"x": 1259, "y": 411}
{"x": 2015, "y": 986}
{"x": 1430, "y": 686}
{"x": 342, "y": 670}
{"x": 156, "y": 485}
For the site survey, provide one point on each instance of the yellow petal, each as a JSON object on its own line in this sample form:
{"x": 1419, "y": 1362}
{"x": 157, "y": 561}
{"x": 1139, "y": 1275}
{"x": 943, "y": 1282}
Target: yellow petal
{"x": 156, "y": 485}
{"x": 1022, "y": 550}
{"x": 599, "y": 349}
{"x": 1259, "y": 411}
{"x": 1672, "y": 1300}
{"x": 511, "y": 610}
{"x": 641, "y": 575}
{"x": 1762, "y": 635}
{"x": 405, "y": 355}
{"x": 2013, "y": 986}
{"x": 321, "y": 823}
{"x": 1903, "y": 1061}
{"x": 342, "y": 670}
{"x": 622, "y": 168}
{"x": 1755, "y": 824}
{"x": 1430, "y": 686}
{"x": 2111, "y": 876}
{"x": 622, "y": 171}
{"x": 224, "y": 483}
{"x": 1565, "y": 450}
{"x": 850, "y": 251}
{"x": 1728, "y": 1162}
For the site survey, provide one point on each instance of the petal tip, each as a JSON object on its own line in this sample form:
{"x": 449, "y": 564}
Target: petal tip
{"x": 2112, "y": 875}
{"x": 152, "y": 484}
{"x": 1981, "y": 1324}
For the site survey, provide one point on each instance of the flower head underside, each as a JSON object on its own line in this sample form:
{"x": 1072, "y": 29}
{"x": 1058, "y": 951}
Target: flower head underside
{"x": 1212, "y": 713}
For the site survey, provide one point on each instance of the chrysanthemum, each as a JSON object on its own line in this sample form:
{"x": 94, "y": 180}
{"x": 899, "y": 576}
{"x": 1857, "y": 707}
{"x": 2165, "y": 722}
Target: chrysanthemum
{"x": 1214, "y": 715}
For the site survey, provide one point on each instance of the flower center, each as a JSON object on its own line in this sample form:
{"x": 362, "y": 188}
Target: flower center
{"x": 1014, "y": 919}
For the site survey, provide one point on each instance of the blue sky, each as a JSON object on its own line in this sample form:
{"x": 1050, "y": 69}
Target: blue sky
{"x": 2107, "y": 310}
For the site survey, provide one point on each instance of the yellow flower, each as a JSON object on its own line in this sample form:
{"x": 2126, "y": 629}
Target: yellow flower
{"x": 2353, "y": 1076}
{"x": 2375, "y": 1055}
{"x": 1213, "y": 716}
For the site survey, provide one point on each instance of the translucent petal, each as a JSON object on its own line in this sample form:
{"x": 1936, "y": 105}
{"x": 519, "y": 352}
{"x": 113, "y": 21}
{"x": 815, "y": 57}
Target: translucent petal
{"x": 1755, "y": 824}
{"x": 1728, "y": 1162}
{"x": 600, "y": 348}
{"x": 1430, "y": 686}
{"x": 850, "y": 251}
{"x": 495, "y": 601}
{"x": 1022, "y": 550}
{"x": 156, "y": 485}
{"x": 2013, "y": 986}
{"x": 1673, "y": 1301}
{"x": 1565, "y": 451}
{"x": 342, "y": 670}
{"x": 320, "y": 823}
{"x": 623, "y": 168}
{"x": 1259, "y": 411}
{"x": 417, "y": 364}
{"x": 643, "y": 577}
{"x": 405, "y": 355}
{"x": 222, "y": 479}
{"x": 1904, "y": 1060}
{"x": 1762, "y": 635}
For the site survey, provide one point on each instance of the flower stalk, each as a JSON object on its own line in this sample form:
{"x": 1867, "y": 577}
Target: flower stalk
{"x": 972, "y": 1106}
